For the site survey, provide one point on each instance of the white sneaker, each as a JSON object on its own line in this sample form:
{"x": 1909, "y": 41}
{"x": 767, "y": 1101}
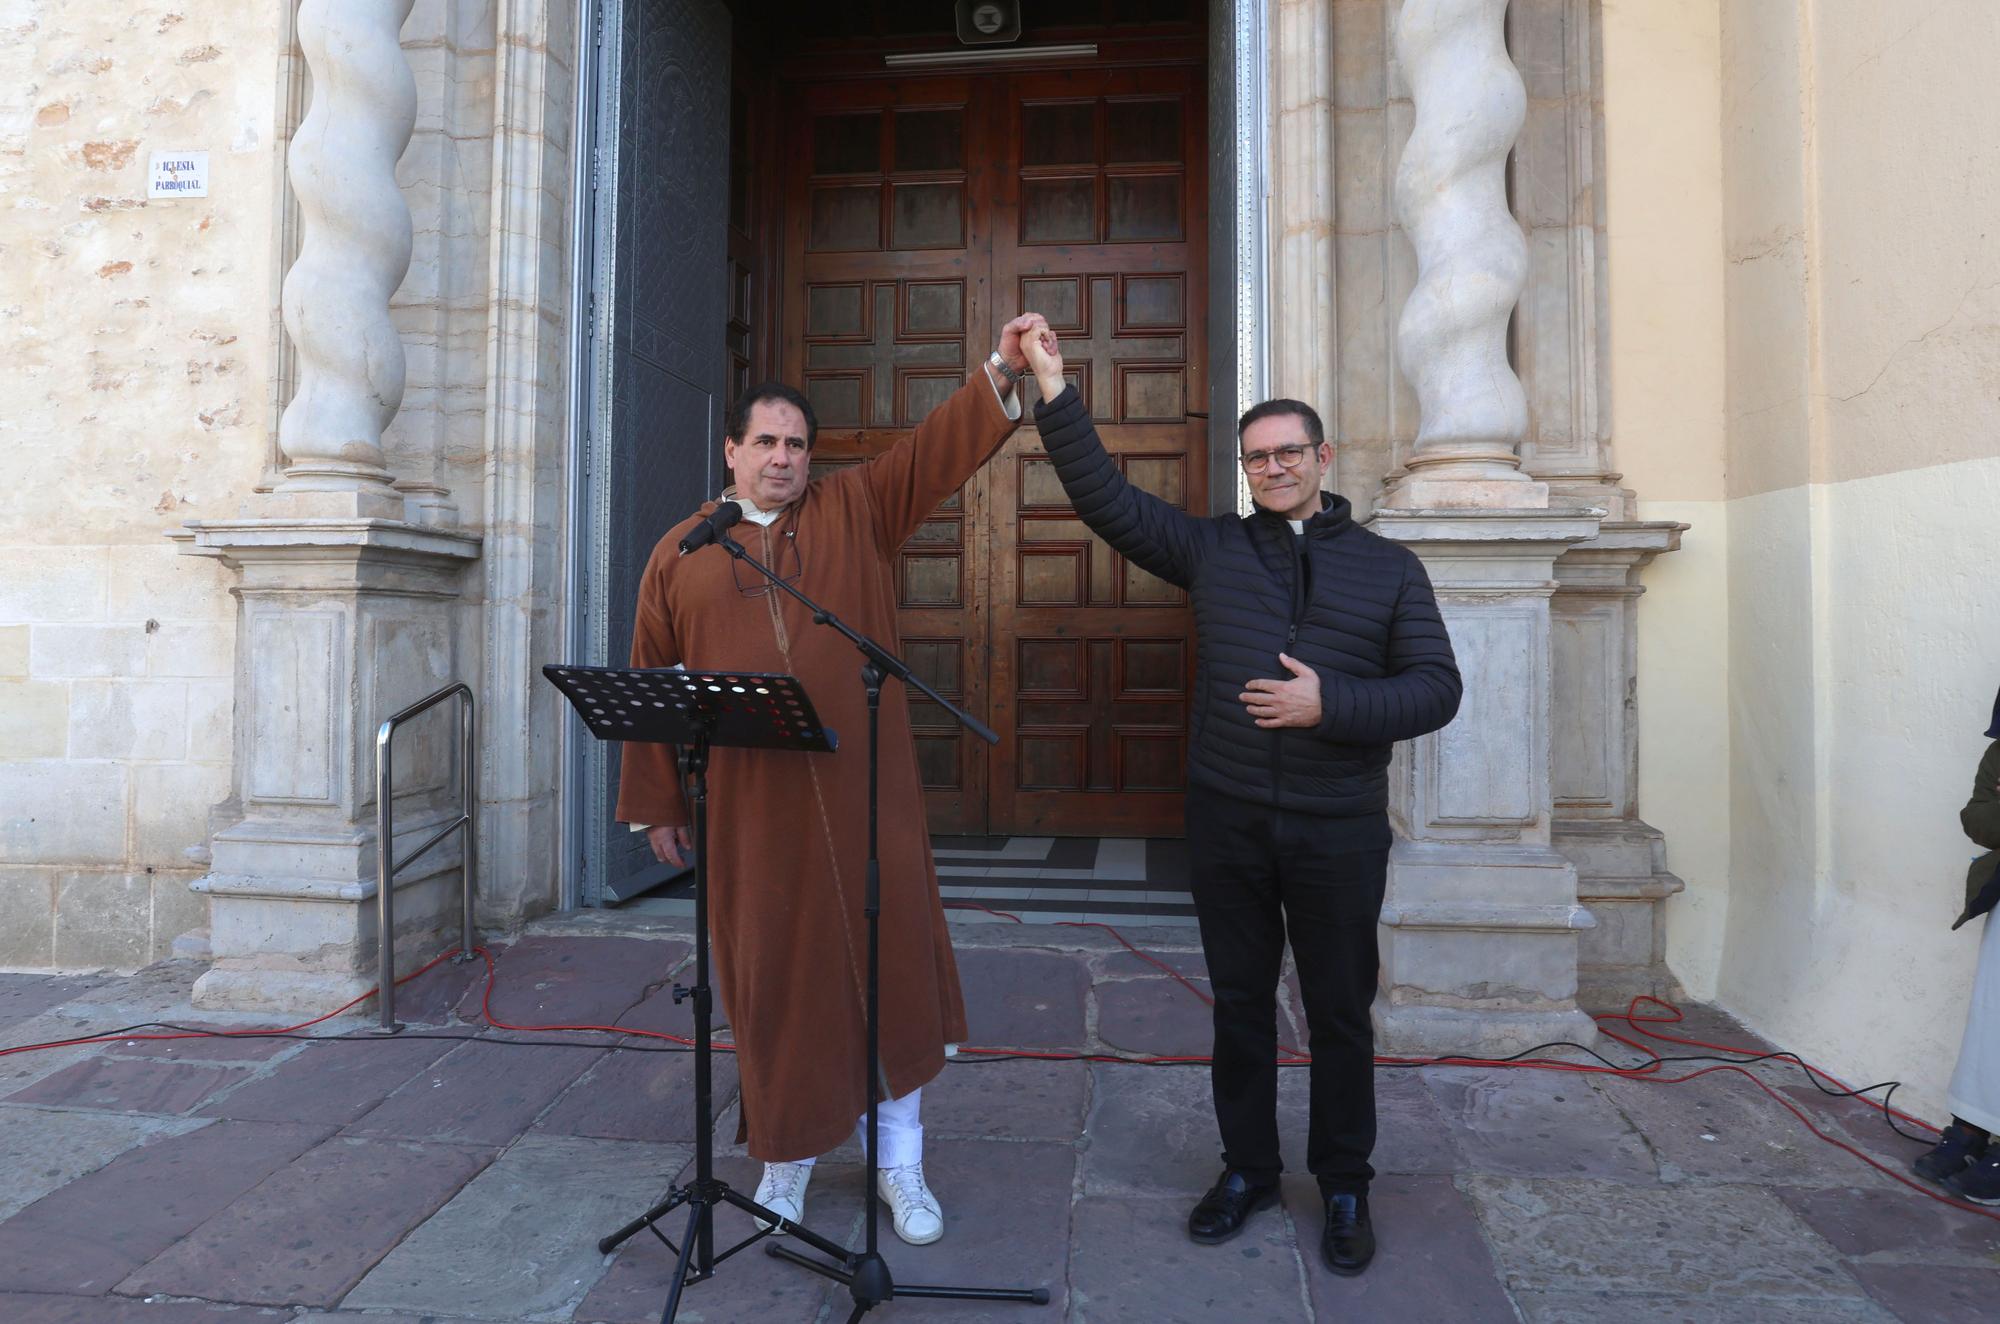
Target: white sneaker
{"x": 782, "y": 1190}
{"x": 919, "y": 1221}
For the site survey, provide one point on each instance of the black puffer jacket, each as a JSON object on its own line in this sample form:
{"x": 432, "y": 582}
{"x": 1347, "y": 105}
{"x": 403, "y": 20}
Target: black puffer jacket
{"x": 1363, "y": 617}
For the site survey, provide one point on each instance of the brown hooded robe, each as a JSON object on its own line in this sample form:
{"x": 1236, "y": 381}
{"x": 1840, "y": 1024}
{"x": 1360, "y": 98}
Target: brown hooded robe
{"x": 788, "y": 832}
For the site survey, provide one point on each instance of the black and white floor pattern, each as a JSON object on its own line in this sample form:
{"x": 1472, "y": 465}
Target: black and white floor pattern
{"x": 1038, "y": 880}
{"x": 1046, "y": 880}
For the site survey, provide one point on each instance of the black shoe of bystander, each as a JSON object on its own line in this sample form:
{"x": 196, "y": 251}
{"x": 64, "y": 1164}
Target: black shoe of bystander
{"x": 1228, "y": 1205}
{"x": 1349, "y": 1242}
{"x": 1979, "y": 1183}
{"x": 1957, "y": 1146}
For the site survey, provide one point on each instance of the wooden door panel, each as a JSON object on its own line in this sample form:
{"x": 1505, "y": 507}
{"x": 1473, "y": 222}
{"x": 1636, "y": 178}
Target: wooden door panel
{"x": 886, "y": 260}
{"x": 922, "y": 214}
{"x": 1098, "y": 226}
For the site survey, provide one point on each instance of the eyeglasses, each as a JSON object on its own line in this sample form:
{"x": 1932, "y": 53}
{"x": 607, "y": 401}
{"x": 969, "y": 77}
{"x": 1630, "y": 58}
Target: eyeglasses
{"x": 787, "y": 545}
{"x": 1291, "y": 457}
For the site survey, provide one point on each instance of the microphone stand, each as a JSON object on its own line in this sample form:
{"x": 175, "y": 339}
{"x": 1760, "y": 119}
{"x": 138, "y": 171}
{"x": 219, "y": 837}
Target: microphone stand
{"x": 866, "y": 1275}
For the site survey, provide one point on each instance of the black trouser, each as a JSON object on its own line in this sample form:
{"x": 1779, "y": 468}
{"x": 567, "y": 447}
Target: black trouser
{"x": 1259, "y": 873}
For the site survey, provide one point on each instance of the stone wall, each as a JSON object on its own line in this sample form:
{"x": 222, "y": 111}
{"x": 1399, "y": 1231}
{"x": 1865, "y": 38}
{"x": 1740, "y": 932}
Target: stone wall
{"x": 140, "y": 335}
{"x": 154, "y": 363}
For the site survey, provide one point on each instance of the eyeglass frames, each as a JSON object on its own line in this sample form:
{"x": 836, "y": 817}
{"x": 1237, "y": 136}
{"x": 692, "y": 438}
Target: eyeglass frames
{"x": 1291, "y": 457}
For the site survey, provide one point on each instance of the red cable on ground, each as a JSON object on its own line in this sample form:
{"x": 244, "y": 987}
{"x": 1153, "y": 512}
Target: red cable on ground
{"x": 1648, "y": 1071}
{"x": 238, "y": 1034}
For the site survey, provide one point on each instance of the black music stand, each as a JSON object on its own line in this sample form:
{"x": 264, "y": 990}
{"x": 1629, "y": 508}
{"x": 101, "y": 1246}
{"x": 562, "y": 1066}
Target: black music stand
{"x": 697, "y": 710}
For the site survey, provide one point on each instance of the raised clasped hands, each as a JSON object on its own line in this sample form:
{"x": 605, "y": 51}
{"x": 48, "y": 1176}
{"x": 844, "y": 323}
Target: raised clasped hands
{"x": 1276, "y": 703}
{"x": 1044, "y": 357}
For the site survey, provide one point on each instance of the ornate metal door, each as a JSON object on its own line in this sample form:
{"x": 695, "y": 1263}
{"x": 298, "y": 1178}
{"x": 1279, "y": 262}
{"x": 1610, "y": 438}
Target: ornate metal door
{"x": 660, "y": 308}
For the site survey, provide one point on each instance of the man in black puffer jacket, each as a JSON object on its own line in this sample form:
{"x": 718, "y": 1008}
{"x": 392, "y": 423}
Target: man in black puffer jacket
{"x": 1319, "y": 646}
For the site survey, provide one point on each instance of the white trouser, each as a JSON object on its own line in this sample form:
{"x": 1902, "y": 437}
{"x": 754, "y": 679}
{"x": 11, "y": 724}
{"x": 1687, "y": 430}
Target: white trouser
{"x": 902, "y": 1131}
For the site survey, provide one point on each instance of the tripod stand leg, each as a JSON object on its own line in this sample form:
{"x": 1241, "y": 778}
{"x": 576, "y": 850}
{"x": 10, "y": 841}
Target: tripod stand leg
{"x": 798, "y": 1231}
{"x": 608, "y": 1244}
{"x": 673, "y": 1305}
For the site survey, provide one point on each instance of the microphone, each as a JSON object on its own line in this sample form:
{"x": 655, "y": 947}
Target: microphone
{"x": 706, "y": 532}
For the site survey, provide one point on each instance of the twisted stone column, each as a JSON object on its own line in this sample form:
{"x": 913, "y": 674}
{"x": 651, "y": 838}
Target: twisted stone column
{"x": 356, "y": 247}
{"x": 1472, "y": 259}
{"x": 1481, "y": 924}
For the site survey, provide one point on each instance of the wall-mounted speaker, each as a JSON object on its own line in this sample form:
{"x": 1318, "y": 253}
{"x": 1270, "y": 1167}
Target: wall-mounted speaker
{"x": 988, "y": 22}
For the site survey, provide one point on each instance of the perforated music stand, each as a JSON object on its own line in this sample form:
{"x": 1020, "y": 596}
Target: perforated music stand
{"x": 696, "y": 710}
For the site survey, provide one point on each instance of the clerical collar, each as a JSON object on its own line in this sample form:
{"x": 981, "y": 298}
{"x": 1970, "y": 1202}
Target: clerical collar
{"x": 753, "y": 512}
{"x": 1298, "y": 525}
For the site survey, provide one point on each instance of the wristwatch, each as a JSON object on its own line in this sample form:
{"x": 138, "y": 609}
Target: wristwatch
{"x": 1000, "y": 365}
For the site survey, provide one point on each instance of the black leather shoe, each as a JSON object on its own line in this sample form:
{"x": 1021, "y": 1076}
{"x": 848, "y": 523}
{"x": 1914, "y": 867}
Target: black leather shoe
{"x": 1228, "y": 1205}
{"x": 1349, "y": 1242}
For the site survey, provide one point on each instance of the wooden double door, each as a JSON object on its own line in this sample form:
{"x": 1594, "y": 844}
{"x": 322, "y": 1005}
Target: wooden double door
{"x": 919, "y": 215}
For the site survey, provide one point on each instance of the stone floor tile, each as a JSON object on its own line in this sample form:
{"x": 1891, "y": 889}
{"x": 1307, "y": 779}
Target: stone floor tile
{"x": 1530, "y": 1123}
{"x": 1620, "y": 1237}
{"x": 1430, "y": 1262}
{"x": 1930, "y": 1294}
{"x": 1007, "y": 1212}
{"x": 1657, "y": 1308}
{"x": 1863, "y": 1125}
{"x": 750, "y": 1286}
{"x": 318, "y": 1226}
{"x": 1007, "y": 1100}
{"x": 1152, "y": 1132}
{"x": 479, "y": 1093}
{"x": 88, "y": 1236}
{"x": 1700, "y": 1022}
{"x": 1723, "y": 1128}
{"x": 1132, "y": 1260}
{"x": 333, "y": 1083}
{"x": 572, "y": 981}
{"x": 1157, "y": 1017}
{"x": 23, "y": 996}
{"x": 1411, "y": 1134}
{"x": 1896, "y": 1226}
{"x": 43, "y": 1149}
{"x": 1023, "y": 999}
{"x": 535, "y": 1214}
{"x": 20, "y": 1308}
{"x": 128, "y": 1085}
{"x": 205, "y": 1048}
{"x": 1125, "y": 965}
{"x": 658, "y": 1013}
{"x": 433, "y": 996}
{"x": 644, "y": 1096}
{"x": 20, "y": 1070}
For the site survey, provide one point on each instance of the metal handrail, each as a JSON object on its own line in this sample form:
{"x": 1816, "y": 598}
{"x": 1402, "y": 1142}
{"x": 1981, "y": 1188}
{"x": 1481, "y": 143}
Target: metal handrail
{"x": 385, "y": 836}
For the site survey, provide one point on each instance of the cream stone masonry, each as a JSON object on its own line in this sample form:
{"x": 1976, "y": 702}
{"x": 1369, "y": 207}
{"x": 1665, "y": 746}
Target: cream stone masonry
{"x": 135, "y": 338}
{"x": 348, "y": 608}
{"x": 1304, "y": 340}
{"x": 1482, "y": 918}
{"x": 524, "y": 449}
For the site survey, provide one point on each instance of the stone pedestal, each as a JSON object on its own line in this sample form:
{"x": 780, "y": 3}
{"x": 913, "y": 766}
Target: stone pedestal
{"x": 348, "y": 590}
{"x": 341, "y": 623}
{"x": 1620, "y": 860}
{"x": 1482, "y": 923}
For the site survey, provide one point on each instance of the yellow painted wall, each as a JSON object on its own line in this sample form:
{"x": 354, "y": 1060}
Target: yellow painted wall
{"x": 1805, "y": 300}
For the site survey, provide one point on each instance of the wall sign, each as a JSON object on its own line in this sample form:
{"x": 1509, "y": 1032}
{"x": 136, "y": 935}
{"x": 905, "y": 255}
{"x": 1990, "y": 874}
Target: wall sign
{"x": 178, "y": 175}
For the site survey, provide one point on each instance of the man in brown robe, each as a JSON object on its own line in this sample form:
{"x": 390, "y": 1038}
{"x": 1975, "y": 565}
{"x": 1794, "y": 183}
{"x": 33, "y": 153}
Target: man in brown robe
{"x": 788, "y": 832}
